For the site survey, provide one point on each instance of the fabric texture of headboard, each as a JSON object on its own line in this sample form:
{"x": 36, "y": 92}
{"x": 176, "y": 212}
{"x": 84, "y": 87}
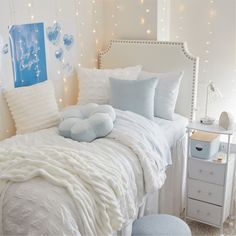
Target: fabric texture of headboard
{"x": 158, "y": 57}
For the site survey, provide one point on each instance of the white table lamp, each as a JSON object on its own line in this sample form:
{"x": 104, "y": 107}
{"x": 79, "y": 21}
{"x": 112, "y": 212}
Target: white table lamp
{"x": 211, "y": 89}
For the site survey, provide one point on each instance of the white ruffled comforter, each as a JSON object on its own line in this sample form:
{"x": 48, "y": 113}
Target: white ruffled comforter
{"x": 55, "y": 186}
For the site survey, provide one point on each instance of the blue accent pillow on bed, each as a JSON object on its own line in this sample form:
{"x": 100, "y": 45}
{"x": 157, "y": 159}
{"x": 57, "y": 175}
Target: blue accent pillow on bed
{"x": 84, "y": 123}
{"x": 134, "y": 95}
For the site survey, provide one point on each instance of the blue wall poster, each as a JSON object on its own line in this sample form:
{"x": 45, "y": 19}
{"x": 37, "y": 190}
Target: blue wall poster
{"x": 28, "y": 54}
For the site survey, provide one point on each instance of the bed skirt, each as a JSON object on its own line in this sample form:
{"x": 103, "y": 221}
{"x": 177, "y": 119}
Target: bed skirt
{"x": 170, "y": 199}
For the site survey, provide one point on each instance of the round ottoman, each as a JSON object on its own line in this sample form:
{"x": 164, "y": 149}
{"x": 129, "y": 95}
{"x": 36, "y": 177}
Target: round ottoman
{"x": 160, "y": 225}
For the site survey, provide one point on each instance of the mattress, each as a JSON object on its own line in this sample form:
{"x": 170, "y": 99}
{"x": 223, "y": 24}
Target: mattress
{"x": 173, "y": 130}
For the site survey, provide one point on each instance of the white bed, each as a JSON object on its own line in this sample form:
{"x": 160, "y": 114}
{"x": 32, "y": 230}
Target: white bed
{"x": 156, "y": 57}
{"x": 41, "y": 202}
{"x": 174, "y": 129}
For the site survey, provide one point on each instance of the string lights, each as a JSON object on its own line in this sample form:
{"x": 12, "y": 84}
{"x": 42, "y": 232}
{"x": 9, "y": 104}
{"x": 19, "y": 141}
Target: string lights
{"x": 163, "y": 20}
{"x": 208, "y": 42}
{"x": 30, "y": 8}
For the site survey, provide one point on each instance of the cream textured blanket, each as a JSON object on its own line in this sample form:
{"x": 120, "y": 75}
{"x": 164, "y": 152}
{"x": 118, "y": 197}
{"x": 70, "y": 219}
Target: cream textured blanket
{"x": 96, "y": 185}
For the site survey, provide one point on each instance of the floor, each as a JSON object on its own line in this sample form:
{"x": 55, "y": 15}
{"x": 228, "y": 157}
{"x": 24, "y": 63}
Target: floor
{"x": 199, "y": 229}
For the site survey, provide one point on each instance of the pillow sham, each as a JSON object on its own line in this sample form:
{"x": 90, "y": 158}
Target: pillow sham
{"x": 134, "y": 95}
{"x": 166, "y": 92}
{"x": 33, "y": 108}
{"x": 94, "y": 83}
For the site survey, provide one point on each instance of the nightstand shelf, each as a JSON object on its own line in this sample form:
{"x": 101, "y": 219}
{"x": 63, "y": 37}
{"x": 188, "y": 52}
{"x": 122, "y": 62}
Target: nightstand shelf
{"x": 209, "y": 183}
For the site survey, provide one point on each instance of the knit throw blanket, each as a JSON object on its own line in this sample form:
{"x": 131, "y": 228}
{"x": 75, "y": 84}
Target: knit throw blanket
{"x": 97, "y": 187}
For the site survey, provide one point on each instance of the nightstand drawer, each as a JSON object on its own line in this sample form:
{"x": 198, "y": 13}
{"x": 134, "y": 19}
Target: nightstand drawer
{"x": 205, "y": 212}
{"x": 207, "y": 171}
{"x": 206, "y": 192}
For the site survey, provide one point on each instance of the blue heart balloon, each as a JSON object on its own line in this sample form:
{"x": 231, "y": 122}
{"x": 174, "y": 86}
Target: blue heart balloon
{"x": 68, "y": 41}
{"x": 5, "y": 49}
{"x": 54, "y": 33}
{"x": 59, "y": 54}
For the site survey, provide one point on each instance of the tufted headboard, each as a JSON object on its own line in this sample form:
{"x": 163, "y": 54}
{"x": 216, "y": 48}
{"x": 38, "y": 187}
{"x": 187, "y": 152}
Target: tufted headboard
{"x": 159, "y": 57}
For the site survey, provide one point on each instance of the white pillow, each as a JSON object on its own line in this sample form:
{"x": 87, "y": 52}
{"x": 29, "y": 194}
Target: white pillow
{"x": 34, "y": 107}
{"x": 166, "y": 93}
{"x": 94, "y": 83}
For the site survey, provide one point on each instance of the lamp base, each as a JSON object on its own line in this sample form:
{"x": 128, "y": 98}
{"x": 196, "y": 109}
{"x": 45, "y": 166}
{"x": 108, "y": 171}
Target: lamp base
{"x": 207, "y": 120}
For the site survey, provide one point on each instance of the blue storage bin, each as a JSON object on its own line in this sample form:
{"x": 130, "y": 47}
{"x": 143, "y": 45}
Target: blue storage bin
{"x": 204, "y": 145}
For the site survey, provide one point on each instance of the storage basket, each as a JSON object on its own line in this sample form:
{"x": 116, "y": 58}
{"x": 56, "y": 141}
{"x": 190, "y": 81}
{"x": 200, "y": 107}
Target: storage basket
{"x": 204, "y": 145}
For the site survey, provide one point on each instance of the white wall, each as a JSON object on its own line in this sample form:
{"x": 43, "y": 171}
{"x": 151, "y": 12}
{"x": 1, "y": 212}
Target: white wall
{"x": 81, "y": 18}
{"x": 198, "y": 22}
{"x": 98, "y": 21}
{"x": 132, "y": 19}
{"x": 209, "y": 28}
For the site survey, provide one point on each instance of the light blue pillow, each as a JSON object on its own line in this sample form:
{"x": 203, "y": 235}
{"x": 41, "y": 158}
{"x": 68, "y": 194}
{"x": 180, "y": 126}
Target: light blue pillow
{"x": 84, "y": 123}
{"x": 134, "y": 95}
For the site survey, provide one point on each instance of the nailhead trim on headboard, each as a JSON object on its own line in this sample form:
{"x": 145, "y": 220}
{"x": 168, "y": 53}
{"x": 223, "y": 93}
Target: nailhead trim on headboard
{"x": 185, "y": 51}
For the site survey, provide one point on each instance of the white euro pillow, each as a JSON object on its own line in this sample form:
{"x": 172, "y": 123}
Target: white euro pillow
{"x": 166, "y": 93}
{"x": 34, "y": 107}
{"x": 94, "y": 83}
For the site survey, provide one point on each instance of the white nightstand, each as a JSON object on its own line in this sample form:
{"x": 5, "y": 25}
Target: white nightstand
{"x": 209, "y": 185}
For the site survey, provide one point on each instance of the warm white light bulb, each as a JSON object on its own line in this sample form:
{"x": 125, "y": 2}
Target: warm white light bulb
{"x": 148, "y": 31}
{"x": 181, "y": 8}
{"x": 142, "y": 20}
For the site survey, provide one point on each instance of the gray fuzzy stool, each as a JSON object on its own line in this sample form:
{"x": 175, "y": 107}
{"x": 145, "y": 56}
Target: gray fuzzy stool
{"x": 160, "y": 225}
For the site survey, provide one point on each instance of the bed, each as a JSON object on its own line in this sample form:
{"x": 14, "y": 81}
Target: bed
{"x": 163, "y": 57}
{"x": 25, "y": 214}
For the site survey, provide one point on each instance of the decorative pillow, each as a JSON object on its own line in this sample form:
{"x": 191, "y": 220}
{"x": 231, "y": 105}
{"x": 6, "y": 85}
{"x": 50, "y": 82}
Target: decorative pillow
{"x": 34, "y": 107}
{"x": 87, "y": 122}
{"x": 94, "y": 83}
{"x": 166, "y": 93}
{"x": 136, "y": 96}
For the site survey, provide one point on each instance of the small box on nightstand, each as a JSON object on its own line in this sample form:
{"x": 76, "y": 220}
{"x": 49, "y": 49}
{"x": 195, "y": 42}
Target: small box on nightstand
{"x": 204, "y": 145}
